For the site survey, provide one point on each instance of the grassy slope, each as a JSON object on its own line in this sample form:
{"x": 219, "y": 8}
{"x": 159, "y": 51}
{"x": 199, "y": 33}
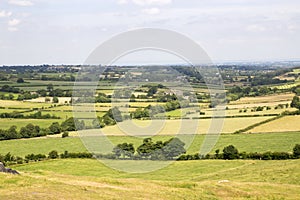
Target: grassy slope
{"x": 89, "y": 179}
{"x": 244, "y": 142}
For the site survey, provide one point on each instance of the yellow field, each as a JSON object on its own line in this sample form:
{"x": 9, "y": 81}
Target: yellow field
{"x": 285, "y": 124}
{"x": 276, "y": 99}
{"x": 172, "y": 127}
{"x": 21, "y": 104}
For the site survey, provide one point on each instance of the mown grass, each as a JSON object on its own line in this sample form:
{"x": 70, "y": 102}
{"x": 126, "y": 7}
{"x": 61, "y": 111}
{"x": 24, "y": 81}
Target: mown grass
{"x": 244, "y": 142}
{"x": 89, "y": 179}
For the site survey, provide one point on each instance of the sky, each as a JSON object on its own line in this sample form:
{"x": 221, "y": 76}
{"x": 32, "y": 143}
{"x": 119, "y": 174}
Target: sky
{"x": 67, "y": 31}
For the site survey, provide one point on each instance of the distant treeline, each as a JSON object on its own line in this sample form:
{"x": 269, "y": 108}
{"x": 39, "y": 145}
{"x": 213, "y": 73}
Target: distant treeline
{"x": 37, "y": 115}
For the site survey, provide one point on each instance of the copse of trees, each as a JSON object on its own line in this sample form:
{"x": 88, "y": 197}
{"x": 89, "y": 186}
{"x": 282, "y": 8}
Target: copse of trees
{"x": 150, "y": 150}
{"x": 150, "y": 110}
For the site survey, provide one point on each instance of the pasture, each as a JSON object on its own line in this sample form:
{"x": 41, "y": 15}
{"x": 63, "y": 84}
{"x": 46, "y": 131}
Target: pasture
{"x": 207, "y": 179}
{"x": 244, "y": 142}
{"x": 285, "y": 124}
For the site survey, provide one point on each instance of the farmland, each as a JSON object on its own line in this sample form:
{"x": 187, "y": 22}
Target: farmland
{"x": 244, "y": 142}
{"x": 90, "y": 179}
{"x": 255, "y": 117}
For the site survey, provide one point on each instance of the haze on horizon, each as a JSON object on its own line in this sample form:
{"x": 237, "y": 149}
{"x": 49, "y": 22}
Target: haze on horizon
{"x": 66, "y": 32}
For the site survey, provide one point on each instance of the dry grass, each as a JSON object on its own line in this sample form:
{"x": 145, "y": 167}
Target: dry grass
{"x": 89, "y": 179}
{"x": 274, "y": 99}
{"x": 285, "y": 124}
{"x": 172, "y": 127}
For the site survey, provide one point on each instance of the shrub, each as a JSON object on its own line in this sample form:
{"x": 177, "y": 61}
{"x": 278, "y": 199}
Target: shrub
{"x": 53, "y": 155}
{"x": 65, "y": 134}
{"x": 230, "y": 152}
{"x": 296, "y": 151}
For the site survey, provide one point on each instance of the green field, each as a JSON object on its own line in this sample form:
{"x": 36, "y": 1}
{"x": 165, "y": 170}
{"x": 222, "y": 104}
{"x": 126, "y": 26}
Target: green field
{"x": 207, "y": 179}
{"x": 244, "y": 142}
{"x": 6, "y": 123}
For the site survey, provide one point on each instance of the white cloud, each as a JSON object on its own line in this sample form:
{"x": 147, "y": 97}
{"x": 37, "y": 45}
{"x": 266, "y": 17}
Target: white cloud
{"x": 21, "y": 2}
{"x": 255, "y": 28}
{"x": 12, "y": 29}
{"x": 151, "y": 2}
{"x": 14, "y": 22}
{"x": 151, "y": 11}
{"x": 4, "y": 13}
{"x": 121, "y": 2}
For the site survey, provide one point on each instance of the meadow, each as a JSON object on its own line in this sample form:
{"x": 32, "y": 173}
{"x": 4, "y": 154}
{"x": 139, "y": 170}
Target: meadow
{"x": 207, "y": 179}
{"x": 244, "y": 142}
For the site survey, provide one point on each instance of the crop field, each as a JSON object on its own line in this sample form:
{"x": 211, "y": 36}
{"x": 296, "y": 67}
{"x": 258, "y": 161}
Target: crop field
{"x": 171, "y": 127}
{"x": 22, "y": 104}
{"x": 43, "y": 123}
{"x": 244, "y": 142}
{"x": 285, "y": 124}
{"x": 265, "y": 99}
{"x": 208, "y": 179}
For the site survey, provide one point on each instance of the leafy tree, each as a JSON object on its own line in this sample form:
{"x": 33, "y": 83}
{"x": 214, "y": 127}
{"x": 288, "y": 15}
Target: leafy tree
{"x": 173, "y": 148}
{"x": 20, "y": 80}
{"x": 230, "y": 152}
{"x": 295, "y": 102}
{"x": 50, "y": 87}
{"x": 98, "y": 122}
{"x": 108, "y": 121}
{"x": 296, "y": 151}
{"x": 72, "y": 124}
{"x": 65, "y": 134}
{"x": 115, "y": 114}
{"x": 125, "y": 150}
{"x": 146, "y": 148}
{"x": 55, "y": 100}
{"x": 53, "y": 155}
{"x": 55, "y": 128}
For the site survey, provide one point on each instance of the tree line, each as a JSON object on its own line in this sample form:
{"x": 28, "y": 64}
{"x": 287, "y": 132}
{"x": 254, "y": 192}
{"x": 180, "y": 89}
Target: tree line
{"x": 230, "y": 152}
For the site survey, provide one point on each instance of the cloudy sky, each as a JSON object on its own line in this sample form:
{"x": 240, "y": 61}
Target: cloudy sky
{"x": 67, "y": 31}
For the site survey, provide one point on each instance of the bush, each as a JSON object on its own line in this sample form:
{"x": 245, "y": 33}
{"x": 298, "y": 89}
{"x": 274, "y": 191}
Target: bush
{"x": 296, "y": 151}
{"x": 230, "y": 152}
{"x": 65, "y": 134}
{"x": 53, "y": 155}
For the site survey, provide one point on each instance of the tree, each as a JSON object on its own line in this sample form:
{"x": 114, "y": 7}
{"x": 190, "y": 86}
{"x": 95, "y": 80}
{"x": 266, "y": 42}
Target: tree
{"x": 115, "y": 114}
{"x": 173, "y": 148}
{"x": 53, "y": 155}
{"x": 230, "y": 152}
{"x": 55, "y": 128}
{"x": 72, "y": 124}
{"x": 295, "y": 102}
{"x": 50, "y": 87}
{"x": 20, "y": 80}
{"x": 125, "y": 150}
{"x": 55, "y": 100}
{"x": 98, "y": 122}
{"x": 296, "y": 151}
{"x": 65, "y": 134}
{"x": 146, "y": 148}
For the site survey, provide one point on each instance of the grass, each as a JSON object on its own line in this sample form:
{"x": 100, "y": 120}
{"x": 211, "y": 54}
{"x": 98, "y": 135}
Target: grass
{"x": 276, "y": 98}
{"x": 167, "y": 127}
{"x": 284, "y": 124}
{"x": 43, "y": 123}
{"x": 22, "y": 104}
{"x": 244, "y": 142}
{"x": 89, "y": 179}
